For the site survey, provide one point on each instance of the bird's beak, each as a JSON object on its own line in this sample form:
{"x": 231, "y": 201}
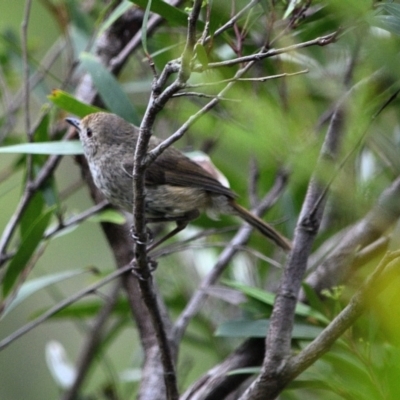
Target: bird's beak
{"x": 74, "y": 122}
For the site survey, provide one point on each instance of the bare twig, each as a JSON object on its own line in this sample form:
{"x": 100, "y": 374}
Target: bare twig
{"x": 202, "y": 95}
{"x": 229, "y": 24}
{"x": 184, "y": 247}
{"x": 320, "y": 41}
{"x": 77, "y": 219}
{"x": 278, "y": 342}
{"x": 259, "y": 79}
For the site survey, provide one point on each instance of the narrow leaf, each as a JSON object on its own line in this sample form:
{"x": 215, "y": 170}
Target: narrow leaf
{"x": 35, "y": 285}
{"x": 269, "y": 299}
{"x": 25, "y": 250}
{"x": 70, "y": 104}
{"x": 61, "y": 148}
{"x": 87, "y": 309}
{"x": 110, "y": 90}
{"x": 144, "y": 26}
{"x": 259, "y": 328}
{"x": 112, "y": 216}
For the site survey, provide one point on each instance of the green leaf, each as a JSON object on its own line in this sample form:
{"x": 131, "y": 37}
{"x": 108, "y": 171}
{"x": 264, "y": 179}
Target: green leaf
{"x": 243, "y": 328}
{"x": 259, "y": 328}
{"x": 34, "y": 208}
{"x": 72, "y": 105}
{"x": 201, "y": 54}
{"x": 41, "y": 133}
{"x": 173, "y": 15}
{"x": 245, "y": 371}
{"x": 89, "y": 309}
{"x": 31, "y": 287}
{"x": 144, "y": 27}
{"x": 25, "y": 250}
{"x": 269, "y": 299}
{"x": 110, "y": 90}
{"x": 112, "y": 216}
{"x": 64, "y": 148}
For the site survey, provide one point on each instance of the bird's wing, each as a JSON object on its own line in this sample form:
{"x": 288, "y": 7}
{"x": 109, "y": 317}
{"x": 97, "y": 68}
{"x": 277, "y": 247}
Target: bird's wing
{"x": 174, "y": 168}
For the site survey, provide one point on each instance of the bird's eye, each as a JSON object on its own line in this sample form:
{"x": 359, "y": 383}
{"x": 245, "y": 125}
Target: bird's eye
{"x": 89, "y": 133}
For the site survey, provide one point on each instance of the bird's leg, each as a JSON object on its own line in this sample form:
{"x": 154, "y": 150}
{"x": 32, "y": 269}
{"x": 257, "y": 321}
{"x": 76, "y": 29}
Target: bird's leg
{"x": 181, "y": 224}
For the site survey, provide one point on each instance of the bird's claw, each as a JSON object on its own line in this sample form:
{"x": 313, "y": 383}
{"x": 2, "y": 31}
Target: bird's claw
{"x": 144, "y": 274}
{"x": 149, "y": 237}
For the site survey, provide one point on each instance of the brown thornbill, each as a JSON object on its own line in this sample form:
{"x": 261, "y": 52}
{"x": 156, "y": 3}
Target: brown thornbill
{"x": 177, "y": 188}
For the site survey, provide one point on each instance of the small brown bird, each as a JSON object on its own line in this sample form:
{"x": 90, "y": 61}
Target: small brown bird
{"x": 177, "y": 188}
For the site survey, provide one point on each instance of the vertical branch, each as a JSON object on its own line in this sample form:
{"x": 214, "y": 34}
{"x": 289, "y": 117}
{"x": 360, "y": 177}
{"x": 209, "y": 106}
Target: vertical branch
{"x": 278, "y": 342}
{"x": 141, "y": 260}
{"x": 185, "y": 70}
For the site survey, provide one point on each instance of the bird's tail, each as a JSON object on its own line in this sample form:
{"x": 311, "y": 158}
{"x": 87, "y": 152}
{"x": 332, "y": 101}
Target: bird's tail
{"x": 262, "y": 226}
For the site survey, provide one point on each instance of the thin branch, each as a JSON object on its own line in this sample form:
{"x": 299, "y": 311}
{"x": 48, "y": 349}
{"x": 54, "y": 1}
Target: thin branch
{"x": 320, "y": 41}
{"x": 65, "y": 303}
{"x": 203, "y": 95}
{"x": 259, "y": 79}
{"x": 77, "y": 219}
{"x": 177, "y": 247}
{"x": 233, "y": 20}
